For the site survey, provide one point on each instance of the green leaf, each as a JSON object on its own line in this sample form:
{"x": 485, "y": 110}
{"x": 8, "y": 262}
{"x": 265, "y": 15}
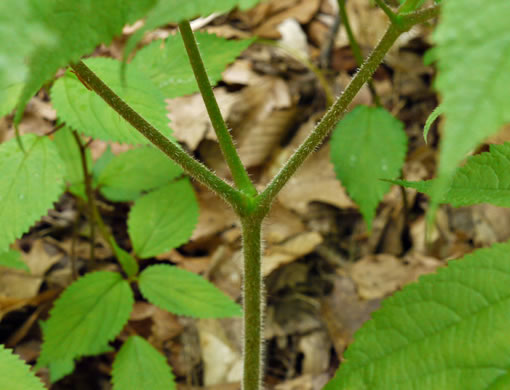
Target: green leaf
{"x": 88, "y": 314}
{"x": 163, "y": 219}
{"x": 128, "y": 262}
{"x": 100, "y": 164}
{"x": 12, "y": 259}
{"x": 8, "y": 97}
{"x": 60, "y": 369}
{"x": 174, "y": 11}
{"x": 70, "y": 154}
{"x": 30, "y": 183}
{"x": 184, "y": 293}
{"x": 86, "y": 112}
{"x": 168, "y": 67}
{"x": 368, "y": 145}
{"x": 484, "y": 179}
{"x": 138, "y": 365}
{"x": 15, "y": 374}
{"x": 449, "y": 331}
{"x": 41, "y": 36}
{"x": 438, "y": 111}
{"x": 129, "y": 174}
{"x": 473, "y": 50}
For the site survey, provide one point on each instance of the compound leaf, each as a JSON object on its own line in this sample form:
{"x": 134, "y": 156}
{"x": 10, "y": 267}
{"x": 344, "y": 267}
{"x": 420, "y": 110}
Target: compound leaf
{"x": 168, "y": 67}
{"x": 88, "y": 314}
{"x": 70, "y": 154}
{"x": 448, "y": 331}
{"x": 46, "y": 35}
{"x": 369, "y": 144}
{"x": 31, "y": 182}
{"x": 185, "y": 293}
{"x": 484, "y": 179}
{"x": 12, "y": 259}
{"x": 15, "y": 374}
{"x": 139, "y": 365}
{"x": 473, "y": 51}
{"x": 163, "y": 219}
{"x": 86, "y": 112}
{"x": 129, "y": 174}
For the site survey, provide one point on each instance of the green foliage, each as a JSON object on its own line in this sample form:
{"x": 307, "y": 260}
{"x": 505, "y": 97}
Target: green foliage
{"x": 169, "y": 68}
{"x": 438, "y": 111}
{"x": 88, "y": 314}
{"x": 85, "y": 111}
{"x": 46, "y": 35}
{"x": 129, "y": 174}
{"x": 369, "y": 144}
{"x": 484, "y": 179}
{"x": 128, "y": 262}
{"x": 163, "y": 219}
{"x": 31, "y": 182}
{"x": 70, "y": 153}
{"x": 473, "y": 61}
{"x": 449, "y": 331}
{"x": 184, "y": 293}
{"x": 15, "y": 374}
{"x": 12, "y": 259}
{"x": 139, "y": 365}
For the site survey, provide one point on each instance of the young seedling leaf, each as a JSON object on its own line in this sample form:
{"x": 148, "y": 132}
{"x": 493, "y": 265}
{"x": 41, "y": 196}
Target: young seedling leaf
{"x": 88, "y": 314}
{"x": 129, "y": 174}
{"x": 85, "y": 111}
{"x": 139, "y": 365}
{"x": 369, "y": 144}
{"x": 438, "y": 111}
{"x": 168, "y": 67}
{"x": 449, "y": 331}
{"x": 40, "y": 36}
{"x": 484, "y": 179}
{"x": 31, "y": 182}
{"x": 163, "y": 219}
{"x": 185, "y": 293}
{"x": 12, "y": 259}
{"x": 15, "y": 374}
{"x": 174, "y": 11}
{"x": 70, "y": 154}
{"x": 473, "y": 48}
{"x": 128, "y": 262}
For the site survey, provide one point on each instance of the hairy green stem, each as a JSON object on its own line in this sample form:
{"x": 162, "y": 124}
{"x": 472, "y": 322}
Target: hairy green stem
{"x": 337, "y": 111}
{"x": 239, "y": 173}
{"x": 91, "y": 199}
{"x": 193, "y": 167}
{"x": 356, "y": 50}
{"x": 388, "y": 11}
{"x": 409, "y": 6}
{"x": 253, "y": 303}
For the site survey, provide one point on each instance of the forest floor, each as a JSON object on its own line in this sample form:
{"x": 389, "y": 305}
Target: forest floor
{"x": 324, "y": 273}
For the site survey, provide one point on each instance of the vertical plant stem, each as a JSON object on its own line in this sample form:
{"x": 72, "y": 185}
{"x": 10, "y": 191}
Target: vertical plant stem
{"x": 253, "y": 302}
{"x": 239, "y": 174}
{"x": 91, "y": 199}
{"x": 356, "y": 50}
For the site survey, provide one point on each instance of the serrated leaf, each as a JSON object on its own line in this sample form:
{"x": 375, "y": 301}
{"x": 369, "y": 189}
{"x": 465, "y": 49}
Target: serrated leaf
{"x": 88, "y": 314}
{"x": 369, "y": 144}
{"x": 163, "y": 219}
{"x": 128, "y": 262}
{"x": 449, "y": 331}
{"x": 60, "y": 369}
{"x": 174, "y": 11}
{"x": 70, "y": 154}
{"x": 129, "y": 174}
{"x": 47, "y": 35}
{"x": 484, "y": 179}
{"x": 86, "y": 112}
{"x": 139, "y": 365}
{"x": 473, "y": 50}
{"x": 15, "y": 374}
{"x": 168, "y": 67}
{"x": 12, "y": 259}
{"x": 30, "y": 183}
{"x": 185, "y": 293}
